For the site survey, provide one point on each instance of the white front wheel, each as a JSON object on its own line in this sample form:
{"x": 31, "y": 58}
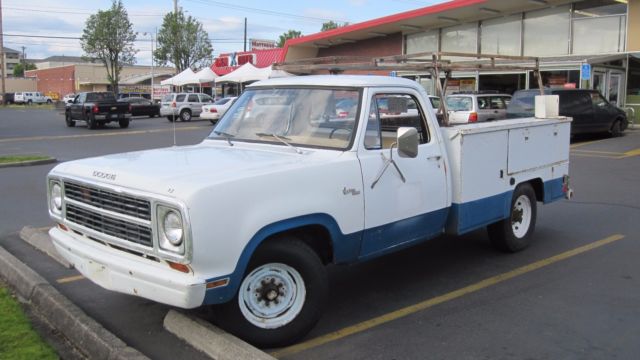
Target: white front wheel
{"x": 272, "y": 295}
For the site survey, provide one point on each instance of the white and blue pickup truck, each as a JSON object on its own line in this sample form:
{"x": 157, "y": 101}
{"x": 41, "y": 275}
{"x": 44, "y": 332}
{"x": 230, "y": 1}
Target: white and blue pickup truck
{"x": 299, "y": 173}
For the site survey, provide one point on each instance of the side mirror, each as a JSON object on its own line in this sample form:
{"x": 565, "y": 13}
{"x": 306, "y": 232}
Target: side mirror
{"x": 407, "y": 139}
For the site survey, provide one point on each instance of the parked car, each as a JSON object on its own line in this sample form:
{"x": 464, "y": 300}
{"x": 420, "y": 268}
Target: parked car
{"x": 7, "y": 98}
{"x": 67, "y": 99}
{"x": 215, "y": 111}
{"x": 29, "y": 98}
{"x": 469, "y": 108}
{"x": 142, "y": 107}
{"x": 183, "y": 106}
{"x": 97, "y": 108}
{"x": 590, "y": 111}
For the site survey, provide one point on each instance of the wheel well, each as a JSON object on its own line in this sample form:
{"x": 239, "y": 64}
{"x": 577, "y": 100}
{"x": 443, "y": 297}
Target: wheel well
{"x": 317, "y": 237}
{"x": 538, "y": 188}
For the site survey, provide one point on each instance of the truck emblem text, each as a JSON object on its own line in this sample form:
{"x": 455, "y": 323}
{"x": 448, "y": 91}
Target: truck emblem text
{"x": 102, "y": 175}
{"x": 353, "y": 192}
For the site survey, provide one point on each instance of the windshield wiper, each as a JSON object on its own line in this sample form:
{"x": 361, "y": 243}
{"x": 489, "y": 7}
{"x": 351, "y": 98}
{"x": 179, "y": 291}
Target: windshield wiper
{"x": 282, "y": 139}
{"x": 225, "y": 135}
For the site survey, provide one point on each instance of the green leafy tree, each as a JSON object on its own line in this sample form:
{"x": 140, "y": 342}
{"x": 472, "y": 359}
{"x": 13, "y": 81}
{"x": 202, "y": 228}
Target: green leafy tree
{"x": 19, "y": 69}
{"x": 291, "y": 34}
{"x": 109, "y": 37}
{"x": 332, "y": 25}
{"x": 183, "y": 42}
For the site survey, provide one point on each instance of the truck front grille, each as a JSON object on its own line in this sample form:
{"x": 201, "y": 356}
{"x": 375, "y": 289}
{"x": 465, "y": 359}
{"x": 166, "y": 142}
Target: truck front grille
{"x": 121, "y": 216}
{"x": 110, "y": 226}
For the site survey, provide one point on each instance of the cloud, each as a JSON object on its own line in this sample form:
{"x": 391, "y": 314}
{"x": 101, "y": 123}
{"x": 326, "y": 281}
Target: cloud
{"x": 326, "y": 14}
{"x": 357, "y": 2}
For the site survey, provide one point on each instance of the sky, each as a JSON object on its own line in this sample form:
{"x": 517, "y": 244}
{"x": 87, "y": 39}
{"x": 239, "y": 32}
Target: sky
{"x": 223, "y": 20}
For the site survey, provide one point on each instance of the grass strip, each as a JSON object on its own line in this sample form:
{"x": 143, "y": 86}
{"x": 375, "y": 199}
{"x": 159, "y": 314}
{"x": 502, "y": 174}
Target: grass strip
{"x": 18, "y": 340}
{"x": 14, "y": 159}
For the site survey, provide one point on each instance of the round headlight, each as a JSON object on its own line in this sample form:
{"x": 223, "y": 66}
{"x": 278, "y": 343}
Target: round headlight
{"x": 172, "y": 226}
{"x": 56, "y": 197}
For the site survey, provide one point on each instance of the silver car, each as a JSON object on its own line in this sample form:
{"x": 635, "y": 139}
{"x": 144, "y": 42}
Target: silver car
{"x": 183, "y": 106}
{"x": 470, "y": 108}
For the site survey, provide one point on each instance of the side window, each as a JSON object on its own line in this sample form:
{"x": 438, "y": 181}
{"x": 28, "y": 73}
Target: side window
{"x": 372, "y": 138}
{"x": 598, "y": 100}
{"x": 497, "y": 103}
{"x": 388, "y": 113}
{"x": 193, "y": 98}
{"x": 205, "y": 98}
{"x": 483, "y": 103}
{"x": 180, "y": 98}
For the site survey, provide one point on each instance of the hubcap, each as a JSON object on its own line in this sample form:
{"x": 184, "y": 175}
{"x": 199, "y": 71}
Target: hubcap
{"x": 272, "y": 295}
{"x": 521, "y": 216}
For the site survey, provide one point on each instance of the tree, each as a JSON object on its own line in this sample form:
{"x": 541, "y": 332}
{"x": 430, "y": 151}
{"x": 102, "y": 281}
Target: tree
{"x": 332, "y": 25}
{"x": 19, "y": 69}
{"x": 109, "y": 37}
{"x": 291, "y": 34}
{"x": 183, "y": 42}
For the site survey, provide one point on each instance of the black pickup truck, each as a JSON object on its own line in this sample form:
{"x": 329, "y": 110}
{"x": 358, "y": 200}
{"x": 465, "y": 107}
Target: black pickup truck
{"x": 97, "y": 108}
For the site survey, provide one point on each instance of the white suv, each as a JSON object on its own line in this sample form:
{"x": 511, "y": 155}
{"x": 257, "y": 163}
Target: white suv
{"x": 31, "y": 98}
{"x": 183, "y": 105}
{"x": 470, "y": 107}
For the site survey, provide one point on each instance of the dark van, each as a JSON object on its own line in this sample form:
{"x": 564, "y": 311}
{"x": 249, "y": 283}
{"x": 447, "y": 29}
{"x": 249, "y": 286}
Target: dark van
{"x": 590, "y": 111}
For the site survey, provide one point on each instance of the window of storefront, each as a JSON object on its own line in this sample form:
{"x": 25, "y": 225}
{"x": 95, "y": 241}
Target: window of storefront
{"x": 422, "y": 42}
{"x": 599, "y": 27}
{"x": 557, "y": 79}
{"x": 546, "y": 32}
{"x": 461, "y": 38}
{"x": 501, "y": 36}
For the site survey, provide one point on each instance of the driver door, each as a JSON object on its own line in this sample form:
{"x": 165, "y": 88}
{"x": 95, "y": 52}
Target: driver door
{"x": 397, "y": 212}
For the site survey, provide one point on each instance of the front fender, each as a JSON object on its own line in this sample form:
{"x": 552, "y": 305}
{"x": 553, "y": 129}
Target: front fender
{"x": 345, "y": 249}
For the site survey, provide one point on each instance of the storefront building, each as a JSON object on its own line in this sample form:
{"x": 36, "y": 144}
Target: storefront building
{"x": 134, "y": 80}
{"x": 582, "y": 44}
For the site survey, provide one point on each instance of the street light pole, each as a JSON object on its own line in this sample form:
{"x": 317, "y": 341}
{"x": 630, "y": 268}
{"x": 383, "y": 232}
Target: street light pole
{"x": 2, "y": 64}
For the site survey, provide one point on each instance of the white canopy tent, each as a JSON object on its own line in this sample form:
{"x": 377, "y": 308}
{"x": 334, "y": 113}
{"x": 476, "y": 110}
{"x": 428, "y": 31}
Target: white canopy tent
{"x": 205, "y": 75}
{"x": 248, "y": 72}
{"x": 185, "y": 77}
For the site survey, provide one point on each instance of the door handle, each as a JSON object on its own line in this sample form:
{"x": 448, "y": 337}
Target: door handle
{"x": 436, "y": 157}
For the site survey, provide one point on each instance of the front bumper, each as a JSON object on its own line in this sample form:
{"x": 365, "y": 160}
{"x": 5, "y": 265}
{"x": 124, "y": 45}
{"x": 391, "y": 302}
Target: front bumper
{"x": 127, "y": 273}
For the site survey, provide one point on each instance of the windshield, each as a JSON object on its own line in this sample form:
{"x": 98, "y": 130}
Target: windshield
{"x": 167, "y": 98}
{"x": 459, "y": 103}
{"x": 314, "y": 117}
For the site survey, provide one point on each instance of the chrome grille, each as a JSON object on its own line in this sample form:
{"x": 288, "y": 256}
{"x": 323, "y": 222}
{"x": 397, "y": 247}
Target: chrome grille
{"x": 108, "y": 225}
{"x": 108, "y": 200}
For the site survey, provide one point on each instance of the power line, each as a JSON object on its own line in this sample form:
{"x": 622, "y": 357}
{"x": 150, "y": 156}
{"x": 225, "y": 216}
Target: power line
{"x": 264, "y": 11}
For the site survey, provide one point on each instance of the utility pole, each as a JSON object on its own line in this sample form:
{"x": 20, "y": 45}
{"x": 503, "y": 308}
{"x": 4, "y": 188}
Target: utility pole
{"x": 177, "y": 45}
{"x": 24, "y": 62}
{"x": 2, "y": 65}
{"x": 245, "y": 34}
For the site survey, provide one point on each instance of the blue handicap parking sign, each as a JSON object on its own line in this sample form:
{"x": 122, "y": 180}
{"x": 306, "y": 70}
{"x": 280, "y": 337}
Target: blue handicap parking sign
{"x": 585, "y": 70}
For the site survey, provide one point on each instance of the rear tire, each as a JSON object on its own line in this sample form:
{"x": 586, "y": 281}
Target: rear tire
{"x": 282, "y": 295}
{"x": 171, "y": 118}
{"x": 514, "y": 233}
{"x": 92, "y": 123}
{"x": 185, "y": 115}
{"x": 124, "y": 123}
{"x": 70, "y": 122}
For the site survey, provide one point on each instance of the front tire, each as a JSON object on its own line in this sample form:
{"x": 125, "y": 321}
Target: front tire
{"x": 616, "y": 128}
{"x": 69, "y": 121}
{"x": 281, "y": 297}
{"x": 514, "y": 233}
{"x": 171, "y": 118}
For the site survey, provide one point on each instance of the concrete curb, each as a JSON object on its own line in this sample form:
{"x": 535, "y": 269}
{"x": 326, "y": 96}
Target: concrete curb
{"x": 209, "y": 339}
{"x": 41, "y": 241}
{"x": 81, "y": 330}
{"x": 29, "y": 163}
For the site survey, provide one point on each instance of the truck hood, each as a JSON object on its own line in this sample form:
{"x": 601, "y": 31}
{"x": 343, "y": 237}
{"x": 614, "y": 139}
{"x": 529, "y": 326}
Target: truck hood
{"x": 180, "y": 171}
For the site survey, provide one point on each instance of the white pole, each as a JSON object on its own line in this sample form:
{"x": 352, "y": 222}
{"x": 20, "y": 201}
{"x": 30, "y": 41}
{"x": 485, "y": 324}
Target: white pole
{"x": 152, "y": 84}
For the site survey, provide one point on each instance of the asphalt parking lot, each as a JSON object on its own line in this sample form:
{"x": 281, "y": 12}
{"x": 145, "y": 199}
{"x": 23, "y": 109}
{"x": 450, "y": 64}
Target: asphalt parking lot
{"x": 573, "y": 294}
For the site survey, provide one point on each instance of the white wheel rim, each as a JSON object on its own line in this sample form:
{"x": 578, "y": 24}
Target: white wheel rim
{"x": 272, "y": 295}
{"x": 521, "y": 216}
